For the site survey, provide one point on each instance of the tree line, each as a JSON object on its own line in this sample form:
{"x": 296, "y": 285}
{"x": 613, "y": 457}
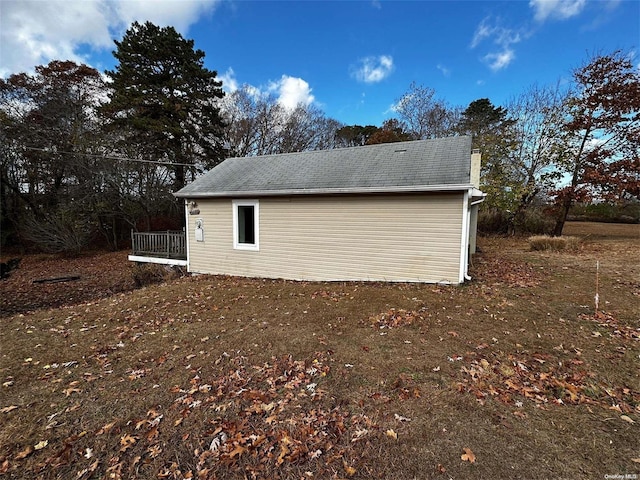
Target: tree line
{"x": 86, "y": 156}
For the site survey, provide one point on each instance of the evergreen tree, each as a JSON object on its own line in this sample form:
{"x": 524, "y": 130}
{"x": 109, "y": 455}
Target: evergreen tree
{"x": 491, "y": 132}
{"x": 164, "y": 100}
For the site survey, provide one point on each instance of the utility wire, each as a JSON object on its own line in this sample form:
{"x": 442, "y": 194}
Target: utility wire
{"x": 108, "y": 157}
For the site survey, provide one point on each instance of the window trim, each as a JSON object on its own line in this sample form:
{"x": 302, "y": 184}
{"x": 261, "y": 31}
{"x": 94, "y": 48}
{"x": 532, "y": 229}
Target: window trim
{"x": 256, "y": 224}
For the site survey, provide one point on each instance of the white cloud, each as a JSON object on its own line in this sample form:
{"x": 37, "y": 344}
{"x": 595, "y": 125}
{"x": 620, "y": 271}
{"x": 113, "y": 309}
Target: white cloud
{"x": 556, "y": 9}
{"x": 180, "y": 14}
{"x": 292, "y": 91}
{"x": 373, "y": 69}
{"x": 229, "y": 82}
{"x": 483, "y": 31}
{"x": 499, "y": 60}
{"x": 502, "y": 37}
{"x": 34, "y": 32}
{"x": 287, "y": 91}
{"x": 445, "y": 70}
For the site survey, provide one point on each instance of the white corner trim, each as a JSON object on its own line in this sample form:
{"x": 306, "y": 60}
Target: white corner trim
{"x": 464, "y": 240}
{"x": 186, "y": 234}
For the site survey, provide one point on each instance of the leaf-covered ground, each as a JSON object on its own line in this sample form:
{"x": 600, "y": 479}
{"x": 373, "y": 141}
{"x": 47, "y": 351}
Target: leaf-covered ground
{"x": 513, "y": 375}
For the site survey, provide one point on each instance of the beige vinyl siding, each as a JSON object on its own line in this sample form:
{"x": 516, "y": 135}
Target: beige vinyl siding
{"x": 413, "y": 238}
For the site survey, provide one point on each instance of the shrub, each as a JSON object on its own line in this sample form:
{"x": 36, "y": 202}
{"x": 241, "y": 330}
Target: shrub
{"x": 493, "y": 221}
{"x": 555, "y": 244}
{"x": 151, "y": 273}
{"x": 531, "y": 221}
{"x": 536, "y": 222}
{"x": 61, "y": 232}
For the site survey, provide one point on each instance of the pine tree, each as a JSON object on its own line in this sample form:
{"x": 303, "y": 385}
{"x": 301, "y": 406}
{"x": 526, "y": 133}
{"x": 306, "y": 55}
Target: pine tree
{"x": 164, "y": 100}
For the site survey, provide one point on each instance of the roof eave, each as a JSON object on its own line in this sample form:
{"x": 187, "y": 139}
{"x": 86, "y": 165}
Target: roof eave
{"x": 326, "y": 191}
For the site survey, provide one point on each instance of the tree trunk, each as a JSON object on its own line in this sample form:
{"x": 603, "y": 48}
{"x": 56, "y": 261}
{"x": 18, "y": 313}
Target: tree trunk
{"x": 562, "y": 218}
{"x": 179, "y": 182}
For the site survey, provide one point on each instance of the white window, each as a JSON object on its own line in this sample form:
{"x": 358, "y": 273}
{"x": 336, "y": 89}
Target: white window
{"x": 246, "y": 220}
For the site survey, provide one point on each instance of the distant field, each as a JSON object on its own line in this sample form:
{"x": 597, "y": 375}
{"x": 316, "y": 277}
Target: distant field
{"x": 512, "y": 375}
{"x": 603, "y": 230}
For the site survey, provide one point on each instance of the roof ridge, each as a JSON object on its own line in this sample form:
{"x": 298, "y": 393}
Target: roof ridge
{"x": 342, "y": 149}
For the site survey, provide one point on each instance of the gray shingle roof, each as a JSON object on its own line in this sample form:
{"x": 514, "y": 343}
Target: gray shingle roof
{"x": 422, "y": 165}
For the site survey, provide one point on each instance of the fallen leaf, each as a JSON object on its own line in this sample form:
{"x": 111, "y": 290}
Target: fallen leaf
{"x": 154, "y": 451}
{"x": 400, "y": 418}
{"x": 270, "y": 419}
{"x": 8, "y": 409}
{"x": 391, "y": 434}
{"x": 316, "y": 454}
{"x": 349, "y": 470}
{"x": 453, "y": 333}
{"x": 440, "y": 468}
{"x": 635, "y": 460}
{"x": 152, "y": 434}
{"x": 106, "y": 428}
{"x": 468, "y": 456}
{"x": 238, "y": 450}
{"x": 284, "y": 450}
{"x": 71, "y": 390}
{"x": 40, "y": 445}
{"x": 127, "y": 441}
{"x": 28, "y": 450}
{"x": 627, "y": 419}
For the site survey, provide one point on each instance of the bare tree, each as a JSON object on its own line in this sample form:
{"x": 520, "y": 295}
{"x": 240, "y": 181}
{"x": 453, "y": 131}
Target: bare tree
{"x": 424, "y": 115}
{"x": 253, "y": 120}
{"x": 537, "y": 119}
{"x": 260, "y": 125}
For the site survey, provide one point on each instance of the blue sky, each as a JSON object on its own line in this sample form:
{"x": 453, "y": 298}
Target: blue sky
{"x": 353, "y": 59}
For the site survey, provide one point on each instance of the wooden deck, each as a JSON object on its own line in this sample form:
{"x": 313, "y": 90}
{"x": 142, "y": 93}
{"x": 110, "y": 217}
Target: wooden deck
{"x": 168, "y": 247}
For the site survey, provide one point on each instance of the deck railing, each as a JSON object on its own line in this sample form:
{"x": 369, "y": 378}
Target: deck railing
{"x": 169, "y": 244}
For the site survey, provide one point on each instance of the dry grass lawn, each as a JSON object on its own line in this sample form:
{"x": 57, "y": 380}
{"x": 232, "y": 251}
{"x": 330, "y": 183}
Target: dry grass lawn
{"x": 513, "y": 375}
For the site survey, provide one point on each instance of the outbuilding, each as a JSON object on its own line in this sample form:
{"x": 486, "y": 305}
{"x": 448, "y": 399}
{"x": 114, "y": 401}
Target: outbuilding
{"x": 400, "y": 212}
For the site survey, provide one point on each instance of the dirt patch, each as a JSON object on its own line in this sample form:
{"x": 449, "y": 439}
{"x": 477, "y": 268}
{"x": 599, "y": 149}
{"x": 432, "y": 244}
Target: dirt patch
{"x": 90, "y": 276}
